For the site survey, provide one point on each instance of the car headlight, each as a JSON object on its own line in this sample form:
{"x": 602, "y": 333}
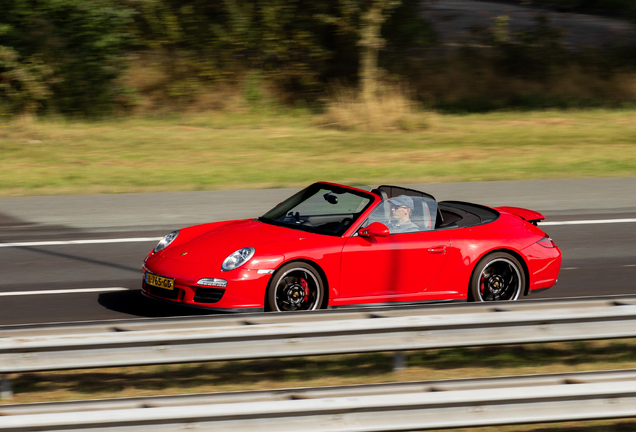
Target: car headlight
{"x": 238, "y": 258}
{"x": 165, "y": 242}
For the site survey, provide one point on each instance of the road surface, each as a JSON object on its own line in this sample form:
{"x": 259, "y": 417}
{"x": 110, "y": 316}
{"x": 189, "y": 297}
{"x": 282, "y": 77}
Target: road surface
{"x": 44, "y": 281}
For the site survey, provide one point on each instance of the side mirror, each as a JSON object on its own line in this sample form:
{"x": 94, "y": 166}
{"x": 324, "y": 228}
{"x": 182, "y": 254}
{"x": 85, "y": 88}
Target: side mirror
{"x": 376, "y": 229}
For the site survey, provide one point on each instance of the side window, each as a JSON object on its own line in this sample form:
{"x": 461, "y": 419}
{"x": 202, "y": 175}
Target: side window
{"x": 424, "y": 213}
{"x": 382, "y": 214}
{"x": 405, "y": 214}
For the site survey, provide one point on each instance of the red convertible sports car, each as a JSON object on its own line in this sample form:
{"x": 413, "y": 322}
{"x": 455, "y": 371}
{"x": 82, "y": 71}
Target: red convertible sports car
{"x": 332, "y": 246}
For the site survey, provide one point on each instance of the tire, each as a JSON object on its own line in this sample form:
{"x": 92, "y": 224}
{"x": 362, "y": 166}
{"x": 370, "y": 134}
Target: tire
{"x": 296, "y": 286}
{"x": 497, "y": 277}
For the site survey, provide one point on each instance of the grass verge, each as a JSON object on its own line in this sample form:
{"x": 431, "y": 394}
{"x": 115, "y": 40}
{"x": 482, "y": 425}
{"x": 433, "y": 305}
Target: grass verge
{"x": 258, "y": 150}
{"x": 324, "y": 371}
{"x": 342, "y": 370}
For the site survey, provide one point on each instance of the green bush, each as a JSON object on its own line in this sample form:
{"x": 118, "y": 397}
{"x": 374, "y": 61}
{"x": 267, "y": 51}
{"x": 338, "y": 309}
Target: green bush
{"x": 528, "y": 69}
{"x": 299, "y": 46}
{"x": 24, "y": 85}
{"x": 73, "y": 49}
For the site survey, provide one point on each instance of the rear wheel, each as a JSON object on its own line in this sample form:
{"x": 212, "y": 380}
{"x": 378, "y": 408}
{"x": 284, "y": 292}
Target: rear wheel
{"x": 295, "y": 286}
{"x": 497, "y": 277}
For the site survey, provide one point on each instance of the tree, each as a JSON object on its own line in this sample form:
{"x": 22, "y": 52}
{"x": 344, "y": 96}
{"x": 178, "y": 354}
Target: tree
{"x": 371, "y": 43}
{"x": 364, "y": 19}
{"x": 70, "y": 50}
{"x": 297, "y": 45}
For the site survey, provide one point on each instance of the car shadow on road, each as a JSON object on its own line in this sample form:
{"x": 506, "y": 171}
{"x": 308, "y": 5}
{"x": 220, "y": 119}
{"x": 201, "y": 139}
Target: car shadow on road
{"x": 132, "y": 302}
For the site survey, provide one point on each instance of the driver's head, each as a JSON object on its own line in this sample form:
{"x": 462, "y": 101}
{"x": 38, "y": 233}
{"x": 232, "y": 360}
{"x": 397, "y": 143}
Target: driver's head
{"x": 401, "y": 205}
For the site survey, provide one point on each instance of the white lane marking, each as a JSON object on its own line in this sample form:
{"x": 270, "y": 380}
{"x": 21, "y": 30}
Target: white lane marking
{"x": 64, "y": 291}
{"x": 570, "y": 268}
{"x": 79, "y": 242}
{"x": 588, "y": 222}
{"x": 630, "y": 265}
{"x": 149, "y": 239}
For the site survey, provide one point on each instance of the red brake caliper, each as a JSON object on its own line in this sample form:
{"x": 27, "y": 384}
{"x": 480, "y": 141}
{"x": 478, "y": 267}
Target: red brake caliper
{"x": 303, "y": 283}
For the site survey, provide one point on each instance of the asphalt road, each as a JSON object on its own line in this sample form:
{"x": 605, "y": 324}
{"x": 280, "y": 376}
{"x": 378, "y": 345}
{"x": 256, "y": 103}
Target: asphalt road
{"x": 453, "y": 20}
{"x": 43, "y": 283}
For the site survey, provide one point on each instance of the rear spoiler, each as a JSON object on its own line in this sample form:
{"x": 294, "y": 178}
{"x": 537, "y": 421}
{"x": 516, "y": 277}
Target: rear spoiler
{"x": 530, "y": 216}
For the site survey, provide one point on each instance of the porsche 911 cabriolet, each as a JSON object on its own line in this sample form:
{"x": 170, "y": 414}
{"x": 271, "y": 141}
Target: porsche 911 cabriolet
{"x": 331, "y": 245}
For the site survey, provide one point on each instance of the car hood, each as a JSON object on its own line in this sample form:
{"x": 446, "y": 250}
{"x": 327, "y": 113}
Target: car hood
{"x": 215, "y": 245}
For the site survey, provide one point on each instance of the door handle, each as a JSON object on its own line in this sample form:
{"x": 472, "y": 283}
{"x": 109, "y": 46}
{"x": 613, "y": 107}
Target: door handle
{"x": 437, "y": 250}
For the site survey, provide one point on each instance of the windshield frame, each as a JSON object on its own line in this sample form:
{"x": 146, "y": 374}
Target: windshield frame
{"x": 284, "y": 207}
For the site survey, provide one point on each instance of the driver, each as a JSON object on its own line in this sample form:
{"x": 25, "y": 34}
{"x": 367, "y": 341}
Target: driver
{"x": 401, "y": 208}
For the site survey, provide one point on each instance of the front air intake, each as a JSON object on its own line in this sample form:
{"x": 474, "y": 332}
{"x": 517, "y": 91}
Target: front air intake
{"x": 208, "y": 295}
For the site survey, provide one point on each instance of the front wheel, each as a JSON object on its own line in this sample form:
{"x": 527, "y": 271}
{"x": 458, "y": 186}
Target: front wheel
{"x": 498, "y": 276}
{"x": 295, "y": 286}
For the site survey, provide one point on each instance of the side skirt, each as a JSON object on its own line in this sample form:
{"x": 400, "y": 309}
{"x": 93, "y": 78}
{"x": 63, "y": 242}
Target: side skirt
{"x": 406, "y": 303}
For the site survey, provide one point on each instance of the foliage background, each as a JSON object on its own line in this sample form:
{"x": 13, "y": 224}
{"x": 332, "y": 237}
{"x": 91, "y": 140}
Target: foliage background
{"x": 99, "y": 57}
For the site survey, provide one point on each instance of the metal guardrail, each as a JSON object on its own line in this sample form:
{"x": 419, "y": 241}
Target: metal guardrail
{"x": 378, "y": 407}
{"x": 146, "y": 342}
{"x": 261, "y": 336}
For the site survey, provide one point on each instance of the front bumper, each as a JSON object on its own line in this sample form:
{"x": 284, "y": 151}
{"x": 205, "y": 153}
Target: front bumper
{"x": 245, "y": 287}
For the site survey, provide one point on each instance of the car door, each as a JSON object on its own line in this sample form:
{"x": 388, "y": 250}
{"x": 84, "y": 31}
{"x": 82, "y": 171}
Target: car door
{"x": 392, "y": 265}
{"x": 390, "y": 262}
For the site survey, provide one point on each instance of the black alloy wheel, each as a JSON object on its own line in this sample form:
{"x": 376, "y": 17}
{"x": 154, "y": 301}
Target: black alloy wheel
{"x": 295, "y": 287}
{"x": 497, "y": 277}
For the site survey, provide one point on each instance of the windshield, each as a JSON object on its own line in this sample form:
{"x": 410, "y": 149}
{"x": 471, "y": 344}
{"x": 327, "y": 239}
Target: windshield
{"x": 320, "y": 208}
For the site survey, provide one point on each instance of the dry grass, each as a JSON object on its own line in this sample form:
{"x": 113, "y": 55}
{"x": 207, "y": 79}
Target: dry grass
{"x": 246, "y": 150}
{"x": 461, "y": 85}
{"x": 341, "y": 370}
{"x": 392, "y": 109}
{"x": 155, "y": 90}
{"x": 323, "y": 371}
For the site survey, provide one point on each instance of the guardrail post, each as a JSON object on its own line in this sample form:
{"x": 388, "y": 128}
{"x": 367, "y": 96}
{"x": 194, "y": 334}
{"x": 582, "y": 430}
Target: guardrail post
{"x": 6, "y": 390}
{"x": 399, "y": 361}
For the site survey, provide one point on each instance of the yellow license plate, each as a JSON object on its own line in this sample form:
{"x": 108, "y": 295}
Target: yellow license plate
{"x": 160, "y": 282}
